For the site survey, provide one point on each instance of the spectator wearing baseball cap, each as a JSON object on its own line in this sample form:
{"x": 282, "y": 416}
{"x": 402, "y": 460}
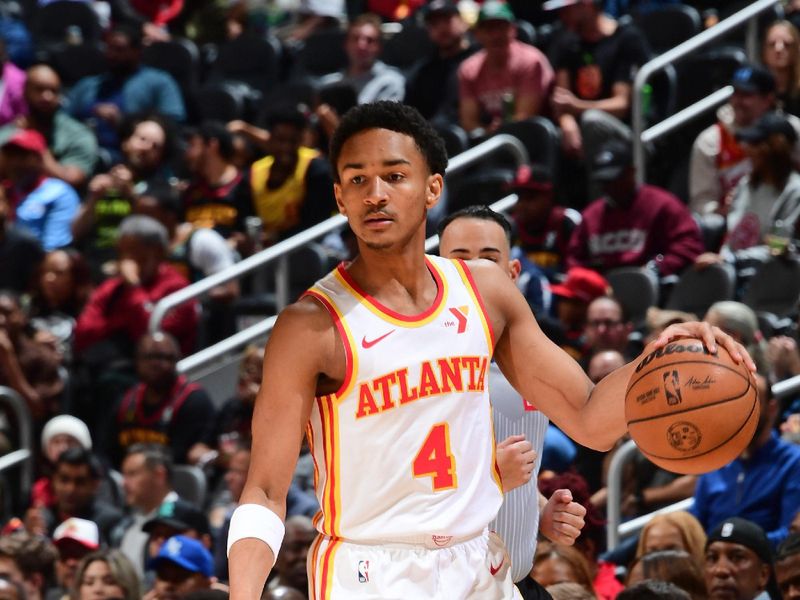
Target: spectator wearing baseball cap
{"x": 182, "y": 566}
{"x": 177, "y": 517}
{"x": 571, "y": 300}
{"x": 507, "y": 80}
{"x": 543, "y": 228}
{"x": 738, "y": 561}
{"x": 43, "y": 205}
{"x": 718, "y": 160}
{"x": 632, "y": 225}
{"x": 74, "y": 539}
{"x": 432, "y": 87}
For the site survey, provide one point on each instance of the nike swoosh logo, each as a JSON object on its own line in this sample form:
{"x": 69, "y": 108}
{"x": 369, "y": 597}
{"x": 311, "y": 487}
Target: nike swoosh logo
{"x": 370, "y": 343}
{"x": 493, "y": 570}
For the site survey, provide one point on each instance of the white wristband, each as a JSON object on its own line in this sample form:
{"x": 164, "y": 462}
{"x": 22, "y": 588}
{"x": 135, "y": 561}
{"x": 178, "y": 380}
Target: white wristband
{"x": 259, "y": 522}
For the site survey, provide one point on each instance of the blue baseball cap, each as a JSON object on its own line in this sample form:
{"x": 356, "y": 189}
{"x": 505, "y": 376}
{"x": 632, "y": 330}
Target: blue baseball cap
{"x": 753, "y": 79}
{"x": 185, "y": 552}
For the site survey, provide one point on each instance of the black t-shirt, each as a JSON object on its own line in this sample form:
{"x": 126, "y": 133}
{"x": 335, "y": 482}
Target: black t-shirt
{"x": 223, "y": 207}
{"x": 20, "y": 255}
{"x": 594, "y": 67}
{"x": 432, "y": 87}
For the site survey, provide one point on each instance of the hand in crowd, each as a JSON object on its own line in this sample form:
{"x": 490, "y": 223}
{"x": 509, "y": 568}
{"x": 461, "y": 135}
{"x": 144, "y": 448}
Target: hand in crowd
{"x": 129, "y": 271}
{"x": 35, "y": 522}
{"x": 154, "y": 33}
{"x": 515, "y": 459}
{"x": 783, "y": 355}
{"x": 706, "y": 259}
{"x": 561, "y": 520}
{"x": 563, "y": 101}
{"x": 108, "y": 112}
{"x": 571, "y": 140}
{"x": 791, "y": 426}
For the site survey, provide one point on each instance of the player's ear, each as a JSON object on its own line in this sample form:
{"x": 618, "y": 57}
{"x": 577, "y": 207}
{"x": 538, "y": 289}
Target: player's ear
{"x": 433, "y": 192}
{"x": 337, "y": 193}
{"x": 514, "y": 267}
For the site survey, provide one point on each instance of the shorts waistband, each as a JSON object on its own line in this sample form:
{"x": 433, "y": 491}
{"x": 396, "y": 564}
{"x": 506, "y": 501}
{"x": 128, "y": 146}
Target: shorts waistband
{"x": 430, "y": 541}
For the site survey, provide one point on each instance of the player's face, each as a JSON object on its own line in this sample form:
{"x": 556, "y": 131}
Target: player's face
{"x": 733, "y": 572}
{"x": 478, "y": 238}
{"x": 385, "y": 188}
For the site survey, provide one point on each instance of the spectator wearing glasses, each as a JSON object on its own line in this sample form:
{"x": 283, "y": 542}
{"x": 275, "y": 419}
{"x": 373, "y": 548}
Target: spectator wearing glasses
{"x": 608, "y": 327}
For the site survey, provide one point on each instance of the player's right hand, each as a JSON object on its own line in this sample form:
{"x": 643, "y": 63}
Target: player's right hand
{"x": 515, "y": 459}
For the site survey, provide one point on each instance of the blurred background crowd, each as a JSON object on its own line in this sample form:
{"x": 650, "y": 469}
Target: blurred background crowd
{"x": 148, "y": 144}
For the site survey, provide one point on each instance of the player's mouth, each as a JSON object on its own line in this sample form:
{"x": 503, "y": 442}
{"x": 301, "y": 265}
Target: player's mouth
{"x": 378, "y": 221}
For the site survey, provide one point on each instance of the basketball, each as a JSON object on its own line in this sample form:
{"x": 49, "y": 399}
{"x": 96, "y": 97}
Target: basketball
{"x": 690, "y": 411}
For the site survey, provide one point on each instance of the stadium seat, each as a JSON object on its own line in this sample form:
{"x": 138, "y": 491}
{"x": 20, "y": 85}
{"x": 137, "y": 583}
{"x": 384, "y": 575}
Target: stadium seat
{"x": 540, "y": 138}
{"x": 705, "y": 72}
{"x": 73, "y": 63}
{"x": 526, "y": 32}
{"x": 178, "y": 57}
{"x": 455, "y": 138}
{"x": 190, "y": 484}
{"x": 220, "y": 102}
{"x": 406, "y": 47}
{"x": 636, "y": 288}
{"x": 696, "y": 290}
{"x": 248, "y": 59}
{"x": 321, "y": 54}
{"x": 774, "y": 287}
{"x": 52, "y": 22}
{"x": 666, "y": 26}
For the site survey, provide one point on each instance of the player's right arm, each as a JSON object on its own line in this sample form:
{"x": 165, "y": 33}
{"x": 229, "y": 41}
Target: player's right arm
{"x": 300, "y": 355}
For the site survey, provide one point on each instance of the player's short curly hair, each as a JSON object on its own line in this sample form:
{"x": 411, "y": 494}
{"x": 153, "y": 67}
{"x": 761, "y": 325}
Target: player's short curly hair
{"x": 393, "y": 116}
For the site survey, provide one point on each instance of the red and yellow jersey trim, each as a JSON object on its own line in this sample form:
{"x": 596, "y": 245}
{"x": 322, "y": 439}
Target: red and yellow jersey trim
{"x": 386, "y": 313}
{"x": 469, "y": 283}
{"x": 321, "y": 556}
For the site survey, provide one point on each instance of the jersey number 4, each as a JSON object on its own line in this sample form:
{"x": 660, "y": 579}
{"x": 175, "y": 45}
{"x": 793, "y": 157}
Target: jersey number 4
{"x": 435, "y": 460}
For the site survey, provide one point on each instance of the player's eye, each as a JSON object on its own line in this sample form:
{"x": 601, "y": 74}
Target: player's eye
{"x": 357, "y": 179}
{"x": 396, "y": 177}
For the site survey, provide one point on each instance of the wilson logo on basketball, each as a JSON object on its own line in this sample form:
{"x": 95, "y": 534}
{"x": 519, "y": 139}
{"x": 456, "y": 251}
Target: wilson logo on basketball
{"x": 673, "y": 349}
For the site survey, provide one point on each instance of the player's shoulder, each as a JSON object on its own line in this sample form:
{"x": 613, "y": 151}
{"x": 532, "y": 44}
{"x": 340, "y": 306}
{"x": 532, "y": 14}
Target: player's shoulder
{"x": 488, "y": 277}
{"x": 305, "y": 319}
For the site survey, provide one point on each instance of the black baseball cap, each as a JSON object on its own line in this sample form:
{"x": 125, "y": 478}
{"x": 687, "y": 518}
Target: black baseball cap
{"x": 769, "y": 124}
{"x": 441, "y": 7}
{"x": 753, "y": 79}
{"x": 181, "y": 516}
{"x": 611, "y": 160}
{"x": 746, "y": 533}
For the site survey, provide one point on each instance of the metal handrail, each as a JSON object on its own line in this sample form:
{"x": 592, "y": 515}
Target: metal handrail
{"x": 281, "y": 250}
{"x": 24, "y": 455}
{"x": 670, "y": 56}
{"x": 786, "y": 387}
{"x": 191, "y": 364}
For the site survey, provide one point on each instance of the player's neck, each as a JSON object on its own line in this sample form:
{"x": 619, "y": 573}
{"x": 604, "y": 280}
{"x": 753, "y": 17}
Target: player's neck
{"x": 395, "y": 277}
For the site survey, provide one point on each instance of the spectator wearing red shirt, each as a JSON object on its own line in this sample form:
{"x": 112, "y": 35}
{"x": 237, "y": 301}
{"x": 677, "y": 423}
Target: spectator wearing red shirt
{"x": 507, "y": 80}
{"x": 122, "y": 304}
{"x": 632, "y": 225}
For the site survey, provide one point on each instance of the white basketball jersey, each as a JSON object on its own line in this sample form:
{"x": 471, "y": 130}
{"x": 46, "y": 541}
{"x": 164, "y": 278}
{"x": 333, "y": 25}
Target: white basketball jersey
{"x": 405, "y": 448}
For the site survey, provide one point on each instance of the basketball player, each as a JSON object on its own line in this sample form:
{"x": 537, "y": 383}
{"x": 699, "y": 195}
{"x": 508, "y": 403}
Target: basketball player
{"x": 480, "y": 232}
{"x": 383, "y": 365}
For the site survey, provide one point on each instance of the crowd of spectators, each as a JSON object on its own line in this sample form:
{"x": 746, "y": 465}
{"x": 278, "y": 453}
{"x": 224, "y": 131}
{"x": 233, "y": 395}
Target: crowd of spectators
{"x": 128, "y": 171}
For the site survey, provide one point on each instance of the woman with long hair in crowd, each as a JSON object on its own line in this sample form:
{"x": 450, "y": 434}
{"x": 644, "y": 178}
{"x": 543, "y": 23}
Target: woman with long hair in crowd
{"x": 106, "y": 575}
{"x": 677, "y": 530}
{"x": 780, "y": 53}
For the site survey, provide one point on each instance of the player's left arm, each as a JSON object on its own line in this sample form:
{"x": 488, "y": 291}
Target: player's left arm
{"x": 561, "y": 518}
{"x": 537, "y": 368}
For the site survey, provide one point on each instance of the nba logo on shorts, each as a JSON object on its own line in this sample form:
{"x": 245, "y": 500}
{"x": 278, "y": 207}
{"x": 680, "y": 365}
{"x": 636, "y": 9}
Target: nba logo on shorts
{"x": 672, "y": 388}
{"x": 363, "y": 571}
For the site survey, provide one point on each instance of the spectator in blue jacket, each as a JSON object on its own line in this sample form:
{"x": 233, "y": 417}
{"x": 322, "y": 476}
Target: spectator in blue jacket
{"x": 45, "y": 206}
{"x": 761, "y": 485}
{"x": 126, "y": 88}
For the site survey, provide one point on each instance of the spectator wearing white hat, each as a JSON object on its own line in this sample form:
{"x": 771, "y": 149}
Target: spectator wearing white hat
{"x": 74, "y": 539}
{"x": 59, "y": 434}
